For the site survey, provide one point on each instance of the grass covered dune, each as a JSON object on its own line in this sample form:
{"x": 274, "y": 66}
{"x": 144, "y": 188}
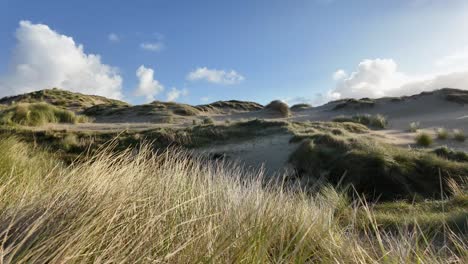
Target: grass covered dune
{"x": 37, "y": 114}
{"x": 143, "y": 207}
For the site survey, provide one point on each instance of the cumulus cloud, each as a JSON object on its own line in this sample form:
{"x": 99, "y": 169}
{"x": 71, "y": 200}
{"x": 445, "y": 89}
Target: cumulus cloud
{"x": 112, "y": 37}
{"x": 152, "y": 46}
{"x": 215, "y": 76}
{"x": 339, "y": 75}
{"x": 381, "y": 77}
{"x": 147, "y": 85}
{"x": 43, "y": 58}
{"x": 175, "y": 93}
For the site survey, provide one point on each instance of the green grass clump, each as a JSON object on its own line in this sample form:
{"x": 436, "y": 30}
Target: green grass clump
{"x": 423, "y": 139}
{"x": 375, "y": 169}
{"x": 451, "y": 154}
{"x": 138, "y": 206}
{"x": 414, "y": 127}
{"x": 459, "y": 135}
{"x": 208, "y": 121}
{"x": 375, "y": 121}
{"x": 442, "y": 133}
{"x": 37, "y": 114}
{"x": 280, "y": 107}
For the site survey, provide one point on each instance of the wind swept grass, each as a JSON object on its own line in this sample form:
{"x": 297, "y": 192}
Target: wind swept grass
{"x": 376, "y": 121}
{"x": 37, "y": 114}
{"x": 133, "y": 207}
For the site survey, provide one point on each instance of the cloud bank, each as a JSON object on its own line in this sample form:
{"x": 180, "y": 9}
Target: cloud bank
{"x": 215, "y": 76}
{"x": 43, "y": 58}
{"x": 147, "y": 85}
{"x": 381, "y": 77}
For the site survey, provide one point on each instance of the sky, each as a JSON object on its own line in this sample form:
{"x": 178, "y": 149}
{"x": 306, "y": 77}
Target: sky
{"x": 202, "y": 51}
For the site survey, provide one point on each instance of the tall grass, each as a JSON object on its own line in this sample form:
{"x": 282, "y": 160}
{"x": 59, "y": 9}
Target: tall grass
{"x": 37, "y": 114}
{"x": 142, "y": 207}
{"x": 376, "y": 121}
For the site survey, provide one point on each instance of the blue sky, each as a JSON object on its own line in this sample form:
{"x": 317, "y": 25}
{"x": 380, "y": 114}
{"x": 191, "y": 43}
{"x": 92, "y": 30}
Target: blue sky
{"x": 277, "y": 49}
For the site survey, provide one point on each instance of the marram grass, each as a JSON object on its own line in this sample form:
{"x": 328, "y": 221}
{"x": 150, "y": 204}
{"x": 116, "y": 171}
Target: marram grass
{"x": 38, "y": 114}
{"x": 141, "y": 207}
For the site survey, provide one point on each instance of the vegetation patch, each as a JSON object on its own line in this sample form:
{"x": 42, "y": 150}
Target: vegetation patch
{"x": 455, "y": 95}
{"x": 355, "y": 104}
{"x": 374, "y": 121}
{"x": 414, "y": 127}
{"x": 220, "y": 107}
{"x": 301, "y": 107}
{"x": 451, "y": 154}
{"x": 37, "y": 114}
{"x": 430, "y": 215}
{"x": 459, "y": 135}
{"x": 279, "y": 107}
{"x": 375, "y": 169}
{"x": 442, "y": 133}
{"x": 171, "y": 207}
{"x": 61, "y": 98}
{"x": 155, "y": 109}
{"x": 423, "y": 139}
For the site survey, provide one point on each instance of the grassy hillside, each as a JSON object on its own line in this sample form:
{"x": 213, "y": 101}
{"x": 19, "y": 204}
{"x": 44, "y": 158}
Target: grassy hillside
{"x": 229, "y": 106}
{"x": 137, "y": 206}
{"x": 37, "y": 114}
{"x": 155, "y": 111}
{"x": 373, "y": 168}
{"x": 65, "y": 99}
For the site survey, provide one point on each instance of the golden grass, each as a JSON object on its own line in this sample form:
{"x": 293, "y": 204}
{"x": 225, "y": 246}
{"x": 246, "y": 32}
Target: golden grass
{"x": 140, "y": 207}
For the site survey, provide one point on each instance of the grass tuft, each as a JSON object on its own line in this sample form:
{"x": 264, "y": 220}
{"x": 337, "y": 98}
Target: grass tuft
{"x": 442, "y": 133}
{"x": 424, "y": 139}
{"x": 208, "y": 121}
{"x": 459, "y": 135}
{"x": 280, "y": 107}
{"x": 414, "y": 127}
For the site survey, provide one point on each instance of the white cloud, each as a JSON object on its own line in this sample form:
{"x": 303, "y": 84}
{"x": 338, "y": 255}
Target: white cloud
{"x": 175, "y": 93}
{"x": 381, "y": 77}
{"x": 152, "y": 46}
{"x": 215, "y": 76}
{"x": 339, "y": 74}
{"x": 112, "y": 37}
{"x": 43, "y": 58}
{"x": 147, "y": 85}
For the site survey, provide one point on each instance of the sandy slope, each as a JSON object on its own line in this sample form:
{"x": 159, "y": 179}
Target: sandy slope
{"x": 268, "y": 153}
